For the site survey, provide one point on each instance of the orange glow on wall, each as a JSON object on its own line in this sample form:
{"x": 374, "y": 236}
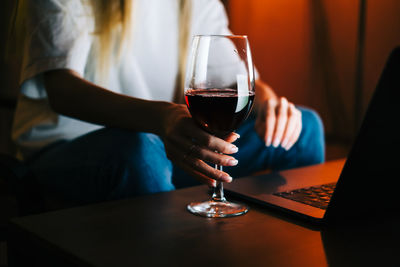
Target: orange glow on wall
{"x": 306, "y": 50}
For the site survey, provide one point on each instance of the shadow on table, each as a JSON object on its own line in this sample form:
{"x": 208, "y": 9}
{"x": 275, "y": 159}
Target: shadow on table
{"x": 368, "y": 244}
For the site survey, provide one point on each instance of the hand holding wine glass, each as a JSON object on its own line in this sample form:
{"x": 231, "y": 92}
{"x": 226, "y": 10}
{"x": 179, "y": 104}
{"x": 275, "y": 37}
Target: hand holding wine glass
{"x": 190, "y": 147}
{"x": 219, "y": 93}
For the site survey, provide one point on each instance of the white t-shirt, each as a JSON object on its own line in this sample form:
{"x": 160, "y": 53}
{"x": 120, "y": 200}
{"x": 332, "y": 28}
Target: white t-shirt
{"x": 60, "y": 37}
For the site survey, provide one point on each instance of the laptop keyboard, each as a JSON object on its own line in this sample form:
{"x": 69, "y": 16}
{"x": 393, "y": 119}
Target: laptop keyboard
{"x": 316, "y": 196}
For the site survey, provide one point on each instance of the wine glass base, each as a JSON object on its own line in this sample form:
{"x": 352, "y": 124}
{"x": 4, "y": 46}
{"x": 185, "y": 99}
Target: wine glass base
{"x": 217, "y": 209}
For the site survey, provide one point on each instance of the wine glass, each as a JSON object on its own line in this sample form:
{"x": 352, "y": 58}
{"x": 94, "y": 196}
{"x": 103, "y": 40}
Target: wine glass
{"x": 219, "y": 93}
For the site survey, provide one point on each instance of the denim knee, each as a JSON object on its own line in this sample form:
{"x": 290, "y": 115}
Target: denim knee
{"x": 142, "y": 166}
{"x": 311, "y": 143}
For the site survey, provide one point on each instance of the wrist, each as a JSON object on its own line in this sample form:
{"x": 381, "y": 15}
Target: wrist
{"x": 168, "y": 114}
{"x": 161, "y": 111}
{"x": 264, "y": 93}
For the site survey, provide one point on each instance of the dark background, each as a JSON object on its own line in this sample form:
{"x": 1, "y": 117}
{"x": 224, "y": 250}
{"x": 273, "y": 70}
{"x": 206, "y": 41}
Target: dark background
{"x": 305, "y": 49}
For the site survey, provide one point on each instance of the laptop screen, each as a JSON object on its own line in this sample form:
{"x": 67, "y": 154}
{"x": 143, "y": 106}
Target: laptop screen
{"x": 367, "y": 182}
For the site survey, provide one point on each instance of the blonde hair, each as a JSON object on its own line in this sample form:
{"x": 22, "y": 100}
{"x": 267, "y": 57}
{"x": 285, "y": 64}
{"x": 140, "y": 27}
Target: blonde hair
{"x": 109, "y": 15}
{"x": 112, "y": 20}
{"x": 184, "y": 22}
{"x": 16, "y": 32}
{"x": 113, "y": 28}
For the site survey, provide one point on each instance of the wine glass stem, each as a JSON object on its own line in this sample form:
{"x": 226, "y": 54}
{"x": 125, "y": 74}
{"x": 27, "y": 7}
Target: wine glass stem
{"x": 218, "y": 194}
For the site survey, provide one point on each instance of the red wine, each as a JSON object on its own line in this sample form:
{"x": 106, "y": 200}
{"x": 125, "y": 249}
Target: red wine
{"x": 219, "y": 111}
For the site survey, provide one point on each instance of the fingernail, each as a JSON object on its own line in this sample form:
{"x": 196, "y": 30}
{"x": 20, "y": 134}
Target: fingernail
{"x": 233, "y": 149}
{"x": 233, "y": 162}
{"x": 275, "y": 143}
{"x": 226, "y": 177}
{"x": 289, "y": 146}
{"x": 269, "y": 140}
{"x": 284, "y": 143}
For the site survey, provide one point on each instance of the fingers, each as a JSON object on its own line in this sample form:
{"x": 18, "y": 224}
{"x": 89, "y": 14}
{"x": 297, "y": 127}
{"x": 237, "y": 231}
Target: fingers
{"x": 187, "y": 127}
{"x": 209, "y": 141}
{"x": 279, "y": 123}
{"x": 199, "y": 176}
{"x": 188, "y": 146}
{"x": 232, "y": 137}
{"x": 200, "y": 166}
{"x": 212, "y": 157}
{"x": 291, "y": 132}
{"x": 265, "y": 122}
{"x": 194, "y": 166}
{"x": 281, "y": 120}
{"x": 203, "y": 153}
{"x": 294, "y": 136}
{"x": 270, "y": 121}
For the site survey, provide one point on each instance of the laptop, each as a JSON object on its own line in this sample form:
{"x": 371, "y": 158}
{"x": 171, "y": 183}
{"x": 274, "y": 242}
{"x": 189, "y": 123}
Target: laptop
{"x": 365, "y": 187}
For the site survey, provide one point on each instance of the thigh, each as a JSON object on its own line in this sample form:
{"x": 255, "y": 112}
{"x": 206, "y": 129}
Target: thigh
{"x": 102, "y": 165}
{"x": 254, "y": 156}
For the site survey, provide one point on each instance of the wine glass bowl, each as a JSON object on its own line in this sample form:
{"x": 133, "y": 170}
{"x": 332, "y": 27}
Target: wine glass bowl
{"x": 232, "y": 109}
{"x": 219, "y": 93}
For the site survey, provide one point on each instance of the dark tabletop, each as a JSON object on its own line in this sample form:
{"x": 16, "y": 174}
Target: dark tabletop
{"x": 158, "y": 230}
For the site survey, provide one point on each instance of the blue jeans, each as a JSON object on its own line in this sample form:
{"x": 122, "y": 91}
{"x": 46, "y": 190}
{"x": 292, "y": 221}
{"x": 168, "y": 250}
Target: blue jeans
{"x": 112, "y": 163}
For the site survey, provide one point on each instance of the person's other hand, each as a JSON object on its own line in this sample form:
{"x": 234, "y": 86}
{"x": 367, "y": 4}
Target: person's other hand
{"x": 278, "y": 122}
{"x": 190, "y": 147}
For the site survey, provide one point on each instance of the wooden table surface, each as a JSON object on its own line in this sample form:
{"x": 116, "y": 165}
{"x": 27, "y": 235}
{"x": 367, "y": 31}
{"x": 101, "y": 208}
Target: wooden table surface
{"x": 158, "y": 230}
